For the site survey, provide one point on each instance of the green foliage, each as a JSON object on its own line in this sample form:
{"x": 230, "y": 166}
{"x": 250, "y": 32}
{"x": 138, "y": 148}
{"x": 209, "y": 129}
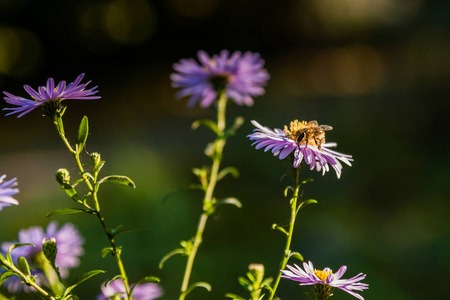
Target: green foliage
{"x": 83, "y": 131}
{"x": 195, "y": 285}
{"x": 80, "y": 279}
{"x": 118, "y": 179}
{"x": 69, "y": 211}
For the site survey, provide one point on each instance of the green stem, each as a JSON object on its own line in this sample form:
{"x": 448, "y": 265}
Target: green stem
{"x": 27, "y": 280}
{"x": 287, "y": 247}
{"x": 219, "y": 144}
{"x": 116, "y": 252}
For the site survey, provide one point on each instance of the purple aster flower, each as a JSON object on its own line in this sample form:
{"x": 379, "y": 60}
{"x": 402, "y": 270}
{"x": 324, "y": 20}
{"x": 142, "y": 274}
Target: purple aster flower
{"x": 7, "y": 190}
{"x": 306, "y": 140}
{"x": 325, "y": 279}
{"x": 69, "y": 244}
{"x": 49, "y": 93}
{"x": 145, "y": 291}
{"x": 241, "y": 76}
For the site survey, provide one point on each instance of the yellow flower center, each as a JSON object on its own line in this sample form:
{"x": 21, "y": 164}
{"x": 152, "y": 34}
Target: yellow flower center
{"x": 323, "y": 275}
{"x": 300, "y": 132}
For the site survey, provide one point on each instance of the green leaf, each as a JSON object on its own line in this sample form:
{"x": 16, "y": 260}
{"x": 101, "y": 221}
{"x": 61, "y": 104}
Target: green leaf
{"x": 23, "y": 266}
{"x": 83, "y": 132}
{"x": 112, "y": 279}
{"x": 228, "y": 170}
{"x": 119, "y": 179}
{"x": 13, "y": 246}
{"x": 230, "y": 200}
{"x": 296, "y": 255}
{"x": 99, "y": 166}
{"x": 120, "y": 229}
{"x": 276, "y": 227}
{"x": 306, "y": 181}
{"x": 70, "y": 191}
{"x": 80, "y": 279}
{"x": 205, "y": 122}
{"x": 234, "y": 296}
{"x": 307, "y": 202}
{"x": 287, "y": 189}
{"x": 169, "y": 255}
{"x": 145, "y": 280}
{"x": 202, "y": 284}
{"x": 69, "y": 211}
{"x": 6, "y": 275}
{"x": 105, "y": 251}
{"x": 245, "y": 283}
{"x": 236, "y": 125}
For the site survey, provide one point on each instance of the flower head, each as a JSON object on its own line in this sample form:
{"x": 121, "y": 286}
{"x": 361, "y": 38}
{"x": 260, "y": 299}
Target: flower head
{"x": 306, "y": 140}
{"x": 325, "y": 279}
{"x": 7, "y": 190}
{"x": 145, "y": 291}
{"x": 240, "y": 76}
{"x": 50, "y": 94}
{"x": 69, "y": 248}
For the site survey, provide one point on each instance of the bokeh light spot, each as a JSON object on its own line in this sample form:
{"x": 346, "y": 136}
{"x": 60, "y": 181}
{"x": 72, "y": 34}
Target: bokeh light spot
{"x": 129, "y": 21}
{"x": 20, "y": 51}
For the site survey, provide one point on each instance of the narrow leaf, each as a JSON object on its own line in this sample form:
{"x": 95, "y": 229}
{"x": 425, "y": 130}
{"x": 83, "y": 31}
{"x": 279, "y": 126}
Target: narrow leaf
{"x": 307, "y": 202}
{"x": 119, "y": 179}
{"x": 169, "y": 255}
{"x": 105, "y": 251}
{"x": 80, "y": 279}
{"x": 86, "y": 276}
{"x": 13, "y": 246}
{"x": 205, "y": 122}
{"x": 296, "y": 255}
{"x": 234, "y": 296}
{"x": 83, "y": 132}
{"x": 228, "y": 170}
{"x": 231, "y": 200}
{"x": 112, "y": 279}
{"x": 202, "y": 284}
{"x": 276, "y": 227}
{"x": 23, "y": 266}
{"x": 146, "y": 279}
{"x": 6, "y": 275}
{"x": 126, "y": 229}
{"x": 69, "y": 211}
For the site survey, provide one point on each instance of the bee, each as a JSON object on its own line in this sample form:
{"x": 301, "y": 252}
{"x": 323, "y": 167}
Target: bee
{"x": 312, "y": 133}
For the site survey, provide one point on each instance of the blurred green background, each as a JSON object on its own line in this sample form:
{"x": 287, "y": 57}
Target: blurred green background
{"x": 377, "y": 71}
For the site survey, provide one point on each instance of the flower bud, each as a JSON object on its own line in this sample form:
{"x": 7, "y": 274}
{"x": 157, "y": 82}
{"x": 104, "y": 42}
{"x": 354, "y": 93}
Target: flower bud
{"x": 49, "y": 248}
{"x": 258, "y": 271}
{"x": 62, "y": 176}
{"x": 95, "y": 158}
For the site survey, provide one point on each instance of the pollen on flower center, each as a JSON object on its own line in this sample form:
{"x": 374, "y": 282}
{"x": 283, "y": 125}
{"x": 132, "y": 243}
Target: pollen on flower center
{"x": 220, "y": 81}
{"x": 299, "y": 131}
{"x": 322, "y": 274}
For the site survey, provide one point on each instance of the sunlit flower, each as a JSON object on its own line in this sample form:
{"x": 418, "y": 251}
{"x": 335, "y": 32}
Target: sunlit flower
{"x": 324, "y": 280}
{"x": 7, "y": 190}
{"x": 241, "y": 76}
{"x": 69, "y": 244}
{"x": 49, "y": 93}
{"x": 145, "y": 291}
{"x": 305, "y": 147}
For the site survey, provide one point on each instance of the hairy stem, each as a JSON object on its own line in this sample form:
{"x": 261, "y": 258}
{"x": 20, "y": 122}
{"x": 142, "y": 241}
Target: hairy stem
{"x": 218, "y": 146}
{"x": 287, "y": 247}
{"x": 115, "y": 251}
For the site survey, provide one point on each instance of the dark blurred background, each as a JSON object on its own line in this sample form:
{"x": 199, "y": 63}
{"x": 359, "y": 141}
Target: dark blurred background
{"x": 377, "y": 71}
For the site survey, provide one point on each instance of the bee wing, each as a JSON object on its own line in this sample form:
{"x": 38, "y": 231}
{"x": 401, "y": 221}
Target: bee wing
{"x": 313, "y": 123}
{"x": 325, "y": 127}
